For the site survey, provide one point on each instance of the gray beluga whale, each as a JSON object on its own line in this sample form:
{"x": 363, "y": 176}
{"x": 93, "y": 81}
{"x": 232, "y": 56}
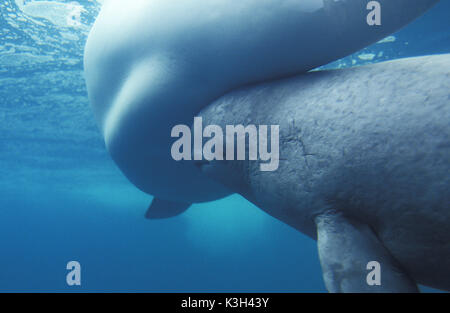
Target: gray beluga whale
{"x": 364, "y": 167}
{"x": 150, "y": 65}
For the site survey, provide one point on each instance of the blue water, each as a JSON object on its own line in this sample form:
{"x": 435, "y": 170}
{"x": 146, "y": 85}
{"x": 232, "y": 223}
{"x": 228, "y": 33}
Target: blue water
{"x": 63, "y": 199}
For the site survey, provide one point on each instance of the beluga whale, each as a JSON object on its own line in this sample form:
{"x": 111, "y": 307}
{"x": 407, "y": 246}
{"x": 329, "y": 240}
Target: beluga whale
{"x": 364, "y": 167}
{"x": 152, "y": 65}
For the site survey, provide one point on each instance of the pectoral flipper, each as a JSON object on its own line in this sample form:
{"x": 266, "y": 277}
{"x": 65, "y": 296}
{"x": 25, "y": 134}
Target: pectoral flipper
{"x": 348, "y": 249}
{"x": 160, "y": 209}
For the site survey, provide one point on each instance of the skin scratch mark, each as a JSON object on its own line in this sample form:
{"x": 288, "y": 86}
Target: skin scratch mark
{"x": 294, "y": 135}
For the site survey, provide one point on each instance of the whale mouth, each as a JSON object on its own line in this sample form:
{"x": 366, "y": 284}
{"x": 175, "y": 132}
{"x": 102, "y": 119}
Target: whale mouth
{"x": 213, "y": 169}
{"x": 227, "y": 173}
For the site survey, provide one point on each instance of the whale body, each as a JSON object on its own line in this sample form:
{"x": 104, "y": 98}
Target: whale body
{"x": 151, "y": 65}
{"x": 364, "y": 167}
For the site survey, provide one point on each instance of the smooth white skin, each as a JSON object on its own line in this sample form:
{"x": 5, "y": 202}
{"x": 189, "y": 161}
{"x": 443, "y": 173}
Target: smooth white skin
{"x": 153, "y": 64}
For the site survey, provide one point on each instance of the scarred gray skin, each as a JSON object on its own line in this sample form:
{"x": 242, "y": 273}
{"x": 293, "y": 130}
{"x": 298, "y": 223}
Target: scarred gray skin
{"x": 369, "y": 145}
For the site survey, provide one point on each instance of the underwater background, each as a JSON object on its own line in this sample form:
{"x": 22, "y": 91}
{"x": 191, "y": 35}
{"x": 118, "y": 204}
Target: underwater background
{"x": 63, "y": 199}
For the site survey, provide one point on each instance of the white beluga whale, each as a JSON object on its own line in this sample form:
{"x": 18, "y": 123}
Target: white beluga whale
{"x": 364, "y": 168}
{"x": 153, "y": 64}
